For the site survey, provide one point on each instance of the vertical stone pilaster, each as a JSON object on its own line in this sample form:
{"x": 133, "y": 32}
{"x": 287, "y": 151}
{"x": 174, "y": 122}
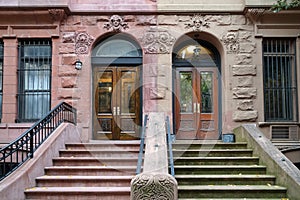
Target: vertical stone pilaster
{"x": 10, "y": 87}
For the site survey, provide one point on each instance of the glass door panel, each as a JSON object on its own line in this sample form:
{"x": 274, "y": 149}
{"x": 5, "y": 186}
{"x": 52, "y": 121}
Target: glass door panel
{"x": 117, "y": 103}
{"x": 104, "y": 88}
{"x": 186, "y": 89}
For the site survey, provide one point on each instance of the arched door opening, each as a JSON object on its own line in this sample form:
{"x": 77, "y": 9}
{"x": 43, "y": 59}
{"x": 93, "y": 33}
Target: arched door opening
{"x": 117, "y": 102}
{"x": 197, "y": 90}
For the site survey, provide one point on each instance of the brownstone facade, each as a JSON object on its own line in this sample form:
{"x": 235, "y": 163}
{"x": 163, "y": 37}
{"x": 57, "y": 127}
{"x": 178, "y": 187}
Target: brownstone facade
{"x": 234, "y": 31}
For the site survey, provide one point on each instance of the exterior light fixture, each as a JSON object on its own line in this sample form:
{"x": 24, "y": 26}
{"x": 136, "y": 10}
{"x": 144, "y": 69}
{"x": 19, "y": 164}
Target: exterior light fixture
{"x": 78, "y": 65}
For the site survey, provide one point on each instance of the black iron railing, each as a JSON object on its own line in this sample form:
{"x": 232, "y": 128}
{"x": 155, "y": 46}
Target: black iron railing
{"x": 169, "y": 141}
{"x": 20, "y": 150}
{"x": 142, "y": 144}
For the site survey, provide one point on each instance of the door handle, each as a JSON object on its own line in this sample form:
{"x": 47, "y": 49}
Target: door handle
{"x": 114, "y": 110}
{"x": 198, "y": 107}
{"x": 118, "y": 110}
{"x": 195, "y": 108}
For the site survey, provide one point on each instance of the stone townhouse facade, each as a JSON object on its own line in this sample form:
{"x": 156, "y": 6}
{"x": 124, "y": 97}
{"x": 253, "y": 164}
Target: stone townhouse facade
{"x": 209, "y": 65}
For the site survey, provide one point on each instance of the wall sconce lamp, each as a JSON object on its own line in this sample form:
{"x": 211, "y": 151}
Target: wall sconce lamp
{"x": 78, "y": 65}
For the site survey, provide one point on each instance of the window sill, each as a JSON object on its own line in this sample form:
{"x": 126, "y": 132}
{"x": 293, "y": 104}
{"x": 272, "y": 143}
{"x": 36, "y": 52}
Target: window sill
{"x": 262, "y": 124}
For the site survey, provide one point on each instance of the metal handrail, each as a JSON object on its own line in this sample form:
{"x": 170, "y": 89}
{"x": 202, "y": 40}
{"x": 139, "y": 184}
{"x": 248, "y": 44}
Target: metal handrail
{"x": 21, "y": 149}
{"x": 142, "y": 144}
{"x": 169, "y": 141}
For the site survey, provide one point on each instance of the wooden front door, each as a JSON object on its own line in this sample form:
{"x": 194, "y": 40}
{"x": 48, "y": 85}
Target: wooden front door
{"x": 196, "y": 103}
{"x": 117, "y": 103}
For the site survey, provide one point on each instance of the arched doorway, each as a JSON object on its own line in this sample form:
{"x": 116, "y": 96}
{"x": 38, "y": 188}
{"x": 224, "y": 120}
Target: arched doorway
{"x": 116, "y": 63}
{"x": 197, "y": 90}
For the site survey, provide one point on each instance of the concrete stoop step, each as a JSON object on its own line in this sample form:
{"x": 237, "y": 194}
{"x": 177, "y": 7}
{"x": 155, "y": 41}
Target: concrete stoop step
{"x": 97, "y": 170}
{"x": 216, "y": 170}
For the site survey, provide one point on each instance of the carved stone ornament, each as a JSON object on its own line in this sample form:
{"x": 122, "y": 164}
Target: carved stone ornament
{"x": 231, "y": 41}
{"x": 57, "y": 14}
{"x": 82, "y": 42}
{"x": 197, "y": 23}
{"x": 153, "y": 186}
{"x": 157, "y": 41}
{"x": 116, "y": 23}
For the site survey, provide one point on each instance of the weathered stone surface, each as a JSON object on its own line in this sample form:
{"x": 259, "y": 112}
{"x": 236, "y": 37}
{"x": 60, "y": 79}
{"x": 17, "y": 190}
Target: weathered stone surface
{"x": 245, "y": 36}
{"x": 168, "y": 20}
{"x": 243, "y": 59}
{"x": 245, "y": 105}
{"x": 223, "y": 20}
{"x": 245, "y": 81}
{"x": 68, "y": 48}
{"x": 158, "y": 93}
{"x": 68, "y": 37}
{"x": 69, "y": 60}
{"x": 247, "y": 47}
{"x": 68, "y": 82}
{"x": 242, "y": 70}
{"x": 69, "y": 93}
{"x": 89, "y": 21}
{"x": 238, "y": 20}
{"x": 145, "y": 20}
{"x": 245, "y": 115}
{"x": 244, "y": 93}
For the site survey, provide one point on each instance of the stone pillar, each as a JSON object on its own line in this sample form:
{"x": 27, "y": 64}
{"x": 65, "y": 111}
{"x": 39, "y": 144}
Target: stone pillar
{"x": 10, "y": 81}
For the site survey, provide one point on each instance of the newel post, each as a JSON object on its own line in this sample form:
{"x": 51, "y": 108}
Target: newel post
{"x": 155, "y": 182}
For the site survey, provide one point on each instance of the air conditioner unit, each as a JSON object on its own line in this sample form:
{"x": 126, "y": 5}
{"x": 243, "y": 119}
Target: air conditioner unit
{"x": 281, "y": 132}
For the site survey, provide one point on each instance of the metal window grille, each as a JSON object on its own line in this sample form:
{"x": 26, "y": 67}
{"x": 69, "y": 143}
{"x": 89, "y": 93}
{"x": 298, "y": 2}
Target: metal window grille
{"x": 1, "y": 77}
{"x": 34, "y": 79}
{"x": 280, "y": 84}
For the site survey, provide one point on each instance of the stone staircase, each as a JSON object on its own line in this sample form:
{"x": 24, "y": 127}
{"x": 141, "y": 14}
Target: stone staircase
{"x": 100, "y": 170}
{"x": 215, "y": 170}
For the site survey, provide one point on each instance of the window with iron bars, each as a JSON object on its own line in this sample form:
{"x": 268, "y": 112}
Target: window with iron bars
{"x": 1, "y": 77}
{"x": 280, "y": 80}
{"x": 34, "y": 79}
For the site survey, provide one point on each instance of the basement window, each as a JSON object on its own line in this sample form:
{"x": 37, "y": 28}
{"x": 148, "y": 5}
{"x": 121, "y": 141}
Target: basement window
{"x": 280, "y": 83}
{"x": 34, "y": 79}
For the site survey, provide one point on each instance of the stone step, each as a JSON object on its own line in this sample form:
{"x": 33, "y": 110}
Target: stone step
{"x": 216, "y": 160}
{"x": 90, "y": 170}
{"x": 225, "y": 179}
{"x": 231, "y": 191}
{"x": 213, "y": 152}
{"x": 104, "y": 146}
{"x": 83, "y": 181}
{"x": 99, "y": 153}
{"x": 78, "y": 193}
{"x": 219, "y": 169}
{"x": 94, "y": 161}
{"x": 182, "y": 144}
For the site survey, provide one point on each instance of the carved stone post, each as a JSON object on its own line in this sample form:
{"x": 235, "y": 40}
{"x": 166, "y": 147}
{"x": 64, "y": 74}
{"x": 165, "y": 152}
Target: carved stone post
{"x": 155, "y": 182}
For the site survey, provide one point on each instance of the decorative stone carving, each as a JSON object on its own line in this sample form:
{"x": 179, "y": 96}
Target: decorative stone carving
{"x": 83, "y": 42}
{"x": 231, "y": 41}
{"x": 157, "y": 41}
{"x": 116, "y": 23}
{"x": 242, "y": 70}
{"x": 245, "y": 115}
{"x": 57, "y": 14}
{"x": 197, "y": 23}
{"x": 153, "y": 186}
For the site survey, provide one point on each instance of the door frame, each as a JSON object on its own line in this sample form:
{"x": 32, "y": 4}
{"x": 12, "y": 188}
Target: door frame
{"x": 185, "y": 63}
{"x": 140, "y": 98}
